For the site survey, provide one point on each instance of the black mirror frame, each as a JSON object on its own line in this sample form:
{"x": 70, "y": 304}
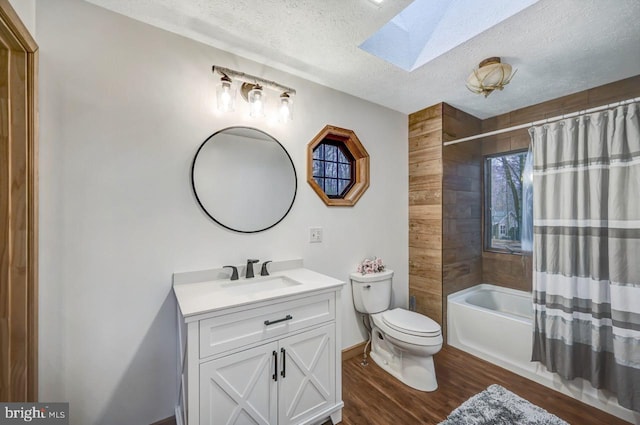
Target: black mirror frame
{"x": 195, "y": 193}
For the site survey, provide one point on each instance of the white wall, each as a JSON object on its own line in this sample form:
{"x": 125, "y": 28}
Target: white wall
{"x": 123, "y": 108}
{"x": 26, "y": 10}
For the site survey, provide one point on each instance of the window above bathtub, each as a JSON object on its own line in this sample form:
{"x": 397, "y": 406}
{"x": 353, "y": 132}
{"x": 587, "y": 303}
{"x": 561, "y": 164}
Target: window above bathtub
{"x": 503, "y": 181}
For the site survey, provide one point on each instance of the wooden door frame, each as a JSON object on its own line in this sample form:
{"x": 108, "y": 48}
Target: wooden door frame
{"x": 19, "y": 261}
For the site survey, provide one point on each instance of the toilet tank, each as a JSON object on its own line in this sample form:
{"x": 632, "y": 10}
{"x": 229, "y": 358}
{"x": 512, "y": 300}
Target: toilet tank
{"x": 371, "y": 292}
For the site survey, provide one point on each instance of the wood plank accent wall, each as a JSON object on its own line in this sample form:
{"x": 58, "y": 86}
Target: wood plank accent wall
{"x": 444, "y": 207}
{"x": 425, "y": 210}
{"x": 515, "y": 271}
{"x": 445, "y": 195}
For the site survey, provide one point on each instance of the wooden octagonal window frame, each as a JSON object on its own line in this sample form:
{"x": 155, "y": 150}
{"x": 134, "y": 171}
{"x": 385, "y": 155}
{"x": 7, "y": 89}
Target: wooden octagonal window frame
{"x": 350, "y": 142}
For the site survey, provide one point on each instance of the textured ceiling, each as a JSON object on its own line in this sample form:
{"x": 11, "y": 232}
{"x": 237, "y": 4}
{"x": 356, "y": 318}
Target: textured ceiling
{"x": 558, "y": 46}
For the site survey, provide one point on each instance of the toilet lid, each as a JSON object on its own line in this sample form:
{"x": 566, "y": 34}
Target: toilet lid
{"x": 410, "y": 322}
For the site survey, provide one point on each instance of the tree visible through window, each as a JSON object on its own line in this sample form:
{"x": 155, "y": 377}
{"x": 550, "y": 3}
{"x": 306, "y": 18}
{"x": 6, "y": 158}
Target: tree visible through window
{"x": 503, "y": 201}
{"x": 333, "y": 168}
{"x": 337, "y": 166}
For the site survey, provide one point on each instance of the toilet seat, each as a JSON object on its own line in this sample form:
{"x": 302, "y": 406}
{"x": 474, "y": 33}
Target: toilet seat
{"x": 411, "y": 323}
{"x": 402, "y": 335}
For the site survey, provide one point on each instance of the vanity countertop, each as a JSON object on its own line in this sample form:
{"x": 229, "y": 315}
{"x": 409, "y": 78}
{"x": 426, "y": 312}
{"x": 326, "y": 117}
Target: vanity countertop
{"x": 209, "y": 295}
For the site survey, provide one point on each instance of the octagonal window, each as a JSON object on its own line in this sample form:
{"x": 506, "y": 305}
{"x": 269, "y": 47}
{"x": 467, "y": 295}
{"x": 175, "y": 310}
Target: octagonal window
{"x": 333, "y": 168}
{"x": 337, "y": 166}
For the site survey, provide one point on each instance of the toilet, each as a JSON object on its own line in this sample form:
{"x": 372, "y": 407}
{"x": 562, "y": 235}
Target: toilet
{"x": 403, "y": 341}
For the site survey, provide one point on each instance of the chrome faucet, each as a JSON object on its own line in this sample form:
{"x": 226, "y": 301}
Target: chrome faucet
{"x": 249, "y": 271}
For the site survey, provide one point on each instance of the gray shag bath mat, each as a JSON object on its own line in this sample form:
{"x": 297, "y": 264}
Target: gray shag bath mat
{"x": 499, "y": 406}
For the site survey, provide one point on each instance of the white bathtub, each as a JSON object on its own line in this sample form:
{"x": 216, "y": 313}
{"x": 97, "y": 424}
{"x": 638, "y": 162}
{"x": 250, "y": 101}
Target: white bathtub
{"x": 495, "y": 324}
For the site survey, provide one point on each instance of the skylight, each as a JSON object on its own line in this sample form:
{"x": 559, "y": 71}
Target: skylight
{"x": 428, "y": 28}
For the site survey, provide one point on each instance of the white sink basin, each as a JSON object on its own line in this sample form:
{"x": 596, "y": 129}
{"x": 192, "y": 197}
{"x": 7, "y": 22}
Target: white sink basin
{"x": 206, "y": 291}
{"x": 257, "y": 285}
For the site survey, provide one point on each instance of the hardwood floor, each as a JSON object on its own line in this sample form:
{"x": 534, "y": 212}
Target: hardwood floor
{"x": 373, "y": 397}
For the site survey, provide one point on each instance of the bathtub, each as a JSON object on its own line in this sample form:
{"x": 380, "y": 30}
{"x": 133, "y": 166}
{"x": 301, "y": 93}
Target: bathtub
{"x": 496, "y": 324}
{"x": 492, "y": 323}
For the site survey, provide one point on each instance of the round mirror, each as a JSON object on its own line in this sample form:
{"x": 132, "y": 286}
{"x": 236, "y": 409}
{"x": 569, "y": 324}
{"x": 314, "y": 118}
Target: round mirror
{"x": 244, "y": 179}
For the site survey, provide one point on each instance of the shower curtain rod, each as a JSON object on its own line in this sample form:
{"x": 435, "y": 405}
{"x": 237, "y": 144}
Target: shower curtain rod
{"x": 543, "y": 121}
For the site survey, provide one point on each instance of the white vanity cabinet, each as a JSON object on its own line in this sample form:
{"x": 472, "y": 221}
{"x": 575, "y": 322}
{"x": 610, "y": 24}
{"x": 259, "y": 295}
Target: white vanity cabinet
{"x": 284, "y": 382}
{"x": 267, "y": 362}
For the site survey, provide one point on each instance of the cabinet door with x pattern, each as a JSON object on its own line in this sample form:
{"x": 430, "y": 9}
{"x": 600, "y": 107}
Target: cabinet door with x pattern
{"x": 240, "y": 389}
{"x": 307, "y": 383}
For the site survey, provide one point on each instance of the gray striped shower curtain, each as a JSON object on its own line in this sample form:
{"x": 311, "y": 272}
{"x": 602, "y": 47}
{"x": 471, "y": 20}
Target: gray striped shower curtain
{"x": 586, "y": 249}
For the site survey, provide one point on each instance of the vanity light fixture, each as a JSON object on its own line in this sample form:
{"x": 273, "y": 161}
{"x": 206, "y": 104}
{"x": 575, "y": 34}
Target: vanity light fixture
{"x": 253, "y": 90}
{"x": 256, "y": 100}
{"x": 491, "y": 74}
{"x": 226, "y": 94}
{"x": 285, "y": 112}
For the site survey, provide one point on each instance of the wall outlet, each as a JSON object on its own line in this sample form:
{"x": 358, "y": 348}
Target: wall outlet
{"x": 315, "y": 234}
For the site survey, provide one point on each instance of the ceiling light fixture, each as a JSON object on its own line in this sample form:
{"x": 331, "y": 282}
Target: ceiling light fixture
{"x": 253, "y": 91}
{"x": 491, "y": 75}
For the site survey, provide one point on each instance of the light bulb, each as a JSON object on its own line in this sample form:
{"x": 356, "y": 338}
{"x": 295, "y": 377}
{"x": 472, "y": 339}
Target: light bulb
{"x": 226, "y": 95}
{"x": 256, "y": 100}
{"x": 256, "y": 106}
{"x": 285, "y": 112}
